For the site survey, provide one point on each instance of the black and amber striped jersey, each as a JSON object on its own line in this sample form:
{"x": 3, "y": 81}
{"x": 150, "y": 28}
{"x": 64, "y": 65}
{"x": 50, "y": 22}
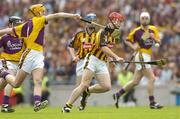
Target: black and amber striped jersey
{"x": 82, "y": 43}
{"x": 103, "y": 38}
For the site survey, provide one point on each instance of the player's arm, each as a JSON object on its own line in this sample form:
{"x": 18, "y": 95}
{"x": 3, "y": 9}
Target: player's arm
{"x": 106, "y": 50}
{"x": 71, "y": 47}
{"x": 62, "y": 15}
{"x": 156, "y": 35}
{"x": 110, "y": 53}
{"x": 6, "y": 31}
{"x": 129, "y": 41}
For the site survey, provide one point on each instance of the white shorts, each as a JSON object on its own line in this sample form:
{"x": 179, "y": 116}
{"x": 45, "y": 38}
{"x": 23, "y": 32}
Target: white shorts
{"x": 13, "y": 67}
{"x": 96, "y": 65}
{"x": 79, "y": 67}
{"x": 31, "y": 59}
{"x": 146, "y": 58}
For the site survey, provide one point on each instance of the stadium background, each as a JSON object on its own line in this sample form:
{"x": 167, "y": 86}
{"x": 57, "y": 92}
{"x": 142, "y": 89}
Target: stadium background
{"x": 61, "y": 72}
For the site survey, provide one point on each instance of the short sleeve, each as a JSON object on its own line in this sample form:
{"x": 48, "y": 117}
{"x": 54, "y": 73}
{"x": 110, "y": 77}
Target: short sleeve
{"x": 130, "y": 36}
{"x": 103, "y": 38}
{"x": 156, "y": 34}
{"x": 21, "y": 30}
{"x": 41, "y": 21}
{"x": 75, "y": 41}
{"x": 1, "y": 42}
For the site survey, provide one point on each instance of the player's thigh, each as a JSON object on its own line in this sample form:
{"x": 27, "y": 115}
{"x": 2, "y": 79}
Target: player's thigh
{"x": 104, "y": 80}
{"x": 138, "y": 74}
{"x": 3, "y": 84}
{"x": 37, "y": 74}
{"x": 78, "y": 79}
{"x": 149, "y": 74}
{"x": 86, "y": 77}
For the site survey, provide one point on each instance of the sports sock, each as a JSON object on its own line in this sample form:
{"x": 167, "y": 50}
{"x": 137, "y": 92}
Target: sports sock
{"x": 37, "y": 99}
{"x": 121, "y": 92}
{"x": 151, "y": 99}
{"x": 6, "y": 99}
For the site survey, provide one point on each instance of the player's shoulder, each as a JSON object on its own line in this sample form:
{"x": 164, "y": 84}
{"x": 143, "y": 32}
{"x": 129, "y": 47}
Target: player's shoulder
{"x": 80, "y": 32}
{"x": 152, "y": 27}
{"x": 5, "y": 36}
{"x": 38, "y": 19}
{"x": 135, "y": 29}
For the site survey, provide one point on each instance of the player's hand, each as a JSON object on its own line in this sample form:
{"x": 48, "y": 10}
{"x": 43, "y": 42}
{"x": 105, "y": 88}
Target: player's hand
{"x": 77, "y": 16}
{"x": 152, "y": 36}
{"x": 76, "y": 59}
{"x": 120, "y": 60}
{"x": 136, "y": 47}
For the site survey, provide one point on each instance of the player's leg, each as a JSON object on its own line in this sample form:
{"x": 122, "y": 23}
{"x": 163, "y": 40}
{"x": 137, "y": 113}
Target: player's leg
{"x": 104, "y": 84}
{"x": 15, "y": 81}
{"x": 3, "y": 84}
{"x": 79, "y": 71}
{"x": 78, "y": 80}
{"x": 86, "y": 80}
{"x": 6, "y": 108}
{"x": 103, "y": 78}
{"x": 37, "y": 75}
{"x": 150, "y": 87}
{"x": 136, "y": 79}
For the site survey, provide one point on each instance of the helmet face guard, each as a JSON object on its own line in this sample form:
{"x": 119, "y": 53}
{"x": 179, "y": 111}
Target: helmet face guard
{"x": 145, "y": 18}
{"x": 116, "y": 19}
{"x": 37, "y": 9}
{"x": 91, "y": 17}
{"x": 15, "y": 20}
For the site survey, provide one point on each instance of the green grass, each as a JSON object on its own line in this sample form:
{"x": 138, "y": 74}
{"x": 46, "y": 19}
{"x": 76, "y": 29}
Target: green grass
{"x": 95, "y": 113}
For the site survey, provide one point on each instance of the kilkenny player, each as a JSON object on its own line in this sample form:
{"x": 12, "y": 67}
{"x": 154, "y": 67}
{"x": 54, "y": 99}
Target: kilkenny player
{"x": 141, "y": 40}
{"x": 81, "y": 44}
{"x": 13, "y": 48}
{"x": 95, "y": 64}
{"x": 32, "y": 60}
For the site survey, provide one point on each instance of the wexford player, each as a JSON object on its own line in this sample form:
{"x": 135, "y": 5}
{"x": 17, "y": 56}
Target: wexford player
{"x": 13, "y": 48}
{"x": 144, "y": 37}
{"x": 32, "y": 60}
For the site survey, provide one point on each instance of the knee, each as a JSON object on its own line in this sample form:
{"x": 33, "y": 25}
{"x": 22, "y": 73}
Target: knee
{"x": 37, "y": 82}
{"x": 152, "y": 80}
{"x": 16, "y": 85}
{"x": 83, "y": 86}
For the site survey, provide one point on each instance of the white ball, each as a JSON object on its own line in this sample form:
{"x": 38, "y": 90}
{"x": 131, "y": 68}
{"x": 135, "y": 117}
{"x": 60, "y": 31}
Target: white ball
{"x": 156, "y": 45}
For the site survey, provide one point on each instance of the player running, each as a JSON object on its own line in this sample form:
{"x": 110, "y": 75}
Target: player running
{"x": 144, "y": 36}
{"x": 80, "y": 46}
{"x": 32, "y": 60}
{"x": 13, "y": 48}
{"x": 95, "y": 64}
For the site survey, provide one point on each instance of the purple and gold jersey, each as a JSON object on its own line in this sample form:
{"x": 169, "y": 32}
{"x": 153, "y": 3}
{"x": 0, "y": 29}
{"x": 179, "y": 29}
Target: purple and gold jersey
{"x": 13, "y": 47}
{"x": 33, "y": 31}
{"x": 142, "y": 37}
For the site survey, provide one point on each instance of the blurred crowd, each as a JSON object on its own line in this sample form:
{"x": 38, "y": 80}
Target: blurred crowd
{"x": 164, "y": 14}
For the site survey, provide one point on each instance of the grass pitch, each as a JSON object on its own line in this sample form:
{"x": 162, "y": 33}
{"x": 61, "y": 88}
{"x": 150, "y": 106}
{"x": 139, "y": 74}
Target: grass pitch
{"x": 95, "y": 113}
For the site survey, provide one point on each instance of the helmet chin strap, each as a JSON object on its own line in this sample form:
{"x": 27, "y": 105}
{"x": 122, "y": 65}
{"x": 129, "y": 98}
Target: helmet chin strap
{"x": 88, "y": 28}
{"x": 115, "y": 27}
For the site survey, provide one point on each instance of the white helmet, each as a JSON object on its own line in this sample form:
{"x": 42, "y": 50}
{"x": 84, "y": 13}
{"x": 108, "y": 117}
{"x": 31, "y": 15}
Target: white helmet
{"x": 144, "y": 18}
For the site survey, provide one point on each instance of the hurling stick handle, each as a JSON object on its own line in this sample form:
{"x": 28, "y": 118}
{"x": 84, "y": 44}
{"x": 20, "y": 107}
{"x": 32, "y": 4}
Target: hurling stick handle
{"x": 84, "y": 20}
{"x": 91, "y": 22}
{"x": 132, "y": 57}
